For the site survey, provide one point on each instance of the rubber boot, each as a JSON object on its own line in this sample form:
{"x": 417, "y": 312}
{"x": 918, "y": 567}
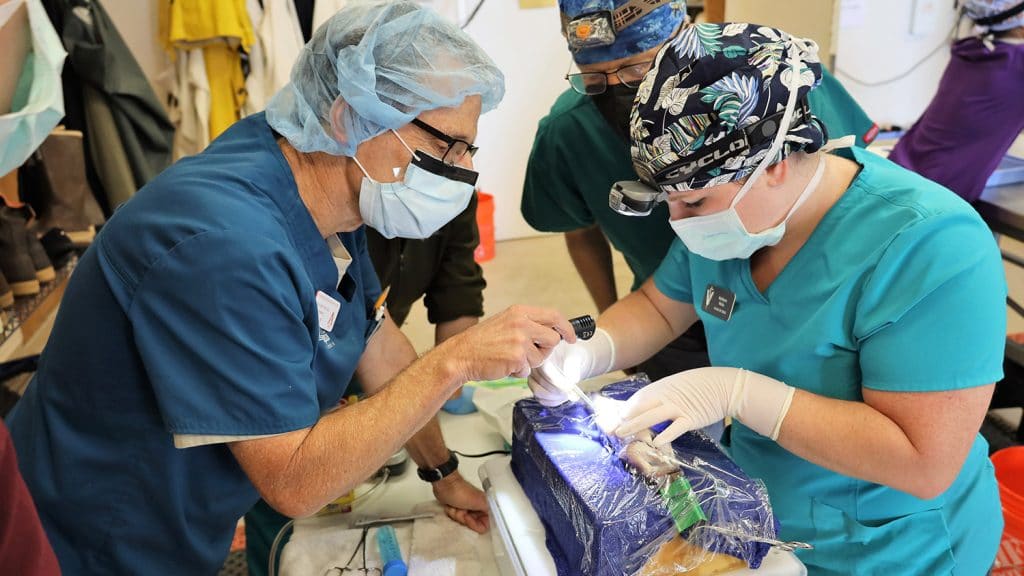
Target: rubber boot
{"x": 55, "y": 185}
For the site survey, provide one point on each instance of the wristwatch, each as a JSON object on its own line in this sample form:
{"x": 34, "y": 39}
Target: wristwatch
{"x": 435, "y": 474}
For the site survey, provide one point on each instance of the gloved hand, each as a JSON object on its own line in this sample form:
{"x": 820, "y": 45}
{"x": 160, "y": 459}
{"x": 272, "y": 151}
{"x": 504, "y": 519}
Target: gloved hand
{"x": 568, "y": 364}
{"x": 700, "y": 397}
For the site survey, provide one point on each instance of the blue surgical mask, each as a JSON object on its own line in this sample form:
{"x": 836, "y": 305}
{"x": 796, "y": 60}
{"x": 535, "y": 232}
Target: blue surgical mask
{"x": 38, "y": 99}
{"x": 430, "y": 195}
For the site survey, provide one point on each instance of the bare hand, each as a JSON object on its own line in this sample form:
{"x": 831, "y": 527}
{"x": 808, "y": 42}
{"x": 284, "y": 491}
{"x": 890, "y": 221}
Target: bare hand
{"x": 511, "y": 343}
{"x": 463, "y": 502}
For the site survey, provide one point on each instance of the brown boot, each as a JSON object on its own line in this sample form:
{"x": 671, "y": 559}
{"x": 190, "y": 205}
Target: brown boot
{"x": 15, "y": 261}
{"x": 40, "y": 261}
{"x": 55, "y": 185}
{"x": 6, "y": 295}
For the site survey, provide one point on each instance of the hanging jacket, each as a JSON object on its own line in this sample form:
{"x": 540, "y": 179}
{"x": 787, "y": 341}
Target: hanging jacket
{"x": 98, "y": 57}
{"x": 324, "y": 9}
{"x": 282, "y": 41}
{"x": 223, "y": 30}
{"x": 256, "y": 80}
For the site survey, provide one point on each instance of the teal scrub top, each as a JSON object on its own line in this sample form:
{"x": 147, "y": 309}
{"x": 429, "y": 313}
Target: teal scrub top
{"x": 899, "y": 288}
{"x": 193, "y": 313}
{"x": 577, "y": 157}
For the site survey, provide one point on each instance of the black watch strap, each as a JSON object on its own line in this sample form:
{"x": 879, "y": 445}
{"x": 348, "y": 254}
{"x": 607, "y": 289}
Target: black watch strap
{"x": 435, "y": 474}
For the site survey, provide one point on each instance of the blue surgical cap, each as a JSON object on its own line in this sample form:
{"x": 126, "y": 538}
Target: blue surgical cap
{"x": 389, "y": 61}
{"x": 981, "y": 9}
{"x": 649, "y": 31}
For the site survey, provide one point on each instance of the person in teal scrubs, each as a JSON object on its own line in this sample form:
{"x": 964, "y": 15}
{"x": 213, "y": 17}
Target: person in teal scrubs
{"x": 854, "y": 312}
{"x": 208, "y": 334}
{"x": 581, "y": 148}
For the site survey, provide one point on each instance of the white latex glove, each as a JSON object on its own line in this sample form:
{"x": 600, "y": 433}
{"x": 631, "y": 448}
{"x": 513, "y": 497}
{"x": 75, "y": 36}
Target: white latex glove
{"x": 568, "y": 364}
{"x": 697, "y": 398}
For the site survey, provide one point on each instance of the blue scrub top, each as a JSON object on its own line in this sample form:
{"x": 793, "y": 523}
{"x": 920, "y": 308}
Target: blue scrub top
{"x": 899, "y": 288}
{"x": 194, "y": 312}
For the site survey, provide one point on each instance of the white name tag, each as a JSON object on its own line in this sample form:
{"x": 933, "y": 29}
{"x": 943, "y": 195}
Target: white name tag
{"x": 327, "y": 309}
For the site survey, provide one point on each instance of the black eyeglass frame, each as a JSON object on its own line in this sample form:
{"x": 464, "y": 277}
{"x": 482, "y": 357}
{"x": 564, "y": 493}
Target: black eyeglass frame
{"x": 605, "y": 75}
{"x": 449, "y": 140}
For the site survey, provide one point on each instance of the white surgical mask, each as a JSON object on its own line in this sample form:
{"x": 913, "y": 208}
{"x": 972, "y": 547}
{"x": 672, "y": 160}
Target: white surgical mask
{"x": 39, "y": 99}
{"x": 722, "y": 235}
{"x": 430, "y": 195}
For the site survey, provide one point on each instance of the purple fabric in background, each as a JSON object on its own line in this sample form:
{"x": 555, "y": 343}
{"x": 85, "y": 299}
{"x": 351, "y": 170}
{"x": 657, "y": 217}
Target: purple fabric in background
{"x": 971, "y": 122}
{"x": 599, "y": 517}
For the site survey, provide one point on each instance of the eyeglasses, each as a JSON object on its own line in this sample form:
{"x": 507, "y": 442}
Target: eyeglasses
{"x": 594, "y": 83}
{"x": 457, "y": 149}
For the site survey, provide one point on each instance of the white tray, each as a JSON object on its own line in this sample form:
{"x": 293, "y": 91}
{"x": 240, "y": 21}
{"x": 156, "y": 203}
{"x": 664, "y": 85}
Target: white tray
{"x": 1009, "y": 171}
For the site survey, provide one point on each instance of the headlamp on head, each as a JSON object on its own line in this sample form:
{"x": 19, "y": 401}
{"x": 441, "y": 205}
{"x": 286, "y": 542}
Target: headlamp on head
{"x": 590, "y": 30}
{"x": 601, "y": 23}
{"x": 634, "y": 198}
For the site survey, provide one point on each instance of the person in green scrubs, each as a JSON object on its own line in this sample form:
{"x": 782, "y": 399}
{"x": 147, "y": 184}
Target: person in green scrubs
{"x": 854, "y": 313}
{"x": 581, "y": 148}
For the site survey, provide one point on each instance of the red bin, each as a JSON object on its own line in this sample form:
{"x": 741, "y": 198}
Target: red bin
{"x": 485, "y": 222}
{"x": 1009, "y": 465}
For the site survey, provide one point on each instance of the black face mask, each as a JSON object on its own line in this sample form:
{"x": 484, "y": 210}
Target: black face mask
{"x": 615, "y": 104}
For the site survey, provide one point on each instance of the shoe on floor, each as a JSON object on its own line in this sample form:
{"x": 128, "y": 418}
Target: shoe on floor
{"x": 59, "y": 248}
{"x": 40, "y": 261}
{"x": 6, "y": 294}
{"x": 15, "y": 261}
{"x": 55, "y": 184}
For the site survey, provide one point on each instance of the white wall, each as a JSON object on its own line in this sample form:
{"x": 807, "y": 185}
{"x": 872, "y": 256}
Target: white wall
{"x": 882, "y": 47}
{"x": 137, "y": 21}
{"x": 528, "y": 46}
{"x": 813, "y": 19}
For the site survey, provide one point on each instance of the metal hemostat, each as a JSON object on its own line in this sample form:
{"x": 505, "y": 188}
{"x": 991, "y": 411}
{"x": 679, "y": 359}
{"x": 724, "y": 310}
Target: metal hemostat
{"x": 648, "y": 461}
{"x": 364, "y": 522}
{"x": 659, "y": 466}
{"x": 784, "y": 546}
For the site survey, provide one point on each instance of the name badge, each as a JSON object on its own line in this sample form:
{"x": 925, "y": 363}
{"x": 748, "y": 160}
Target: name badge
{"x": 719, "y": 302}
{"x": 327, "y": 310}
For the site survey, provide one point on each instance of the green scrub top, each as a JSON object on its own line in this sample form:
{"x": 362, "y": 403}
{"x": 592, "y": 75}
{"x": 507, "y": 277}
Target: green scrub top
{"x": 899, "y": 288}
{"x": 577, "y": 157}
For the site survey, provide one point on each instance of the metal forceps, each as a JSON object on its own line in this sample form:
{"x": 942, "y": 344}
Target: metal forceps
{"x": 347, "y": 568}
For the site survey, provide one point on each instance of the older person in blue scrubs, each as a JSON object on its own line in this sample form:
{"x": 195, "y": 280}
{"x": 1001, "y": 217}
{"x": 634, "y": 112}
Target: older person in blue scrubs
{"x": 206, "y": 338}
{"x": 854, "y": 312}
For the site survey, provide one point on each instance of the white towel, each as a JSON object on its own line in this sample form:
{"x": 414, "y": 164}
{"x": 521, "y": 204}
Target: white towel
{"x": 432, "y": 546}
{"x": 442, "y": 547}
